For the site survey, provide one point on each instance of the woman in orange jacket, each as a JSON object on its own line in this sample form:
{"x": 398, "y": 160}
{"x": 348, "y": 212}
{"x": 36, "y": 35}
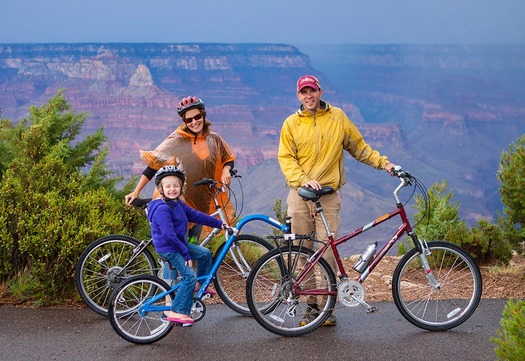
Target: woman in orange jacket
{"x": 200, "y": 152}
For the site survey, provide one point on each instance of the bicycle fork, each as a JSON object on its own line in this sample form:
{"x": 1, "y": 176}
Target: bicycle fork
{"x": 425, "y": 251}
{"x": 239, "y": 260}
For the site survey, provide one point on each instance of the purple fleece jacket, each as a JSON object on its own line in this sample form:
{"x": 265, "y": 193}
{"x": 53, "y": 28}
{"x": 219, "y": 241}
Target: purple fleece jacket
{"x": 169, "y": 225}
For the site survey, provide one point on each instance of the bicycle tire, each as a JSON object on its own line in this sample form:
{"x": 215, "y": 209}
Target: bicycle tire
{"x": 129, "y": 319}
{"x": 98, "y": 265}
{"x": 437, "y": 309}
{"x": 272, "y": 301}
{"x": 230, "y": 280}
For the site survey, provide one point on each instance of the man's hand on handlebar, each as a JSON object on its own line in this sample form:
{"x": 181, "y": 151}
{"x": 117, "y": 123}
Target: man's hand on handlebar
{"x": 390, "y": 167}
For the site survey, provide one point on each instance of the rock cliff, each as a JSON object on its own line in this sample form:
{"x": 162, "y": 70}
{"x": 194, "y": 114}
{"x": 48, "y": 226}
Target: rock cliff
{"x": 445, "y": 111}
{"x": 133, "y": 89}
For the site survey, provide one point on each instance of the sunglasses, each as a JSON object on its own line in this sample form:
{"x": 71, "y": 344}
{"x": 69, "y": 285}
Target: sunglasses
{"x": 188, "y": 120}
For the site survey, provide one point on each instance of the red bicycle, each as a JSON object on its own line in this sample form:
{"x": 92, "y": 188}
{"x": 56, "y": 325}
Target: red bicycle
{"x": 292, "y": 290}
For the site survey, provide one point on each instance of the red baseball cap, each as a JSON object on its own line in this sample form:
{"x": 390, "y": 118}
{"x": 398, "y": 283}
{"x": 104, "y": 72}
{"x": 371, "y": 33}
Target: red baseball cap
{"x": 308, "y": 80}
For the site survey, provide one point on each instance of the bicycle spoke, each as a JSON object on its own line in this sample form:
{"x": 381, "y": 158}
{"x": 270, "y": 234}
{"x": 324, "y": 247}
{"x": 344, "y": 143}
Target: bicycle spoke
{"x": 230, "y": 279}
{"x": 284, "y": 307}
{"x": 105, "y": 264}
{"x": 440, "y": 308}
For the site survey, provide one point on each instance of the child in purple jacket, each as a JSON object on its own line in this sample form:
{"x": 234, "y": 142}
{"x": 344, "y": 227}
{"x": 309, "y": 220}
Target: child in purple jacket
{"x": 169, "y": 217}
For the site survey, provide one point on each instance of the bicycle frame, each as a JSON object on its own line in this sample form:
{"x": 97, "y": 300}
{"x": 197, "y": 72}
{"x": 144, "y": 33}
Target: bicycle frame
{"x": 215, "y": 231}
{"x": 333, "y": 243}
{"x": 205, "y": 281}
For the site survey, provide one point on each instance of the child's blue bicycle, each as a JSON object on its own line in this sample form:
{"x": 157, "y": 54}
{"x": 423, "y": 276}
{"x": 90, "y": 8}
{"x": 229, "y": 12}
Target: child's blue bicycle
{"x": 108, "y": 261}
{"x": 136, "y": 306}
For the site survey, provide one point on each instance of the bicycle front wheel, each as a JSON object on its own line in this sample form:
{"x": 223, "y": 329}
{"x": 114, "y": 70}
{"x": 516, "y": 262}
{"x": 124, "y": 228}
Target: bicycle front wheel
{"x": 104, "y": 264}
{"x": 445, "y": 305}
{"x": 133, "y": 316}
{"x": 230, "y": 279}
{"x": 279, "y": 304}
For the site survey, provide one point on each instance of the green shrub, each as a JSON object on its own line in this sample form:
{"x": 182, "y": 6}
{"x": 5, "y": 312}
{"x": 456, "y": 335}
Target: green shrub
{"x": 485, "y": 243}
{"x": 56, "y": 196}
{"x": 511, "y": 336}
{"x": 511, "y": 174}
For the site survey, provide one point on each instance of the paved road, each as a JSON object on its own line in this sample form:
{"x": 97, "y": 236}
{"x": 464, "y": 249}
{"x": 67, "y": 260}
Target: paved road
{"x": 67, "y": 334}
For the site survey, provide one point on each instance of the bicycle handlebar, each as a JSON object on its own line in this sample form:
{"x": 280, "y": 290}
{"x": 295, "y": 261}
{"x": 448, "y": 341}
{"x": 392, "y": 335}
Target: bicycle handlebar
{"x": 204, "y": 181}
{"x": 141, "y": 202}
{"x": 229, "y": 230}
{"x": 403, "y": 175}
{"x": 399, "y": 172}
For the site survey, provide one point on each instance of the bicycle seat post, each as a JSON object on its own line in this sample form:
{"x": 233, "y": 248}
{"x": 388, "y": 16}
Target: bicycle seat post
{"x": 320, "y": 212}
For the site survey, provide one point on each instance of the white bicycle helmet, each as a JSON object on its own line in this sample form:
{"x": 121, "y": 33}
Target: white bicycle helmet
{"x": 169, "y": 170}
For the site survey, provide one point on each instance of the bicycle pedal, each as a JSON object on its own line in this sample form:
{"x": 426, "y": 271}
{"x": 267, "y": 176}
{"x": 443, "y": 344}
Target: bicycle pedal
{"x": 372, "y": 310}
{"x": 177, "y": 324}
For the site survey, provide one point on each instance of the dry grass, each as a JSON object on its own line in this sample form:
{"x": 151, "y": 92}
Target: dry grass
{"x": 515, "y": 268}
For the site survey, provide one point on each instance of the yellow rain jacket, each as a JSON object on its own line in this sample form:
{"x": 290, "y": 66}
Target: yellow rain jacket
{"x": 311, "y": 147}
{"x": 201, "y": 156}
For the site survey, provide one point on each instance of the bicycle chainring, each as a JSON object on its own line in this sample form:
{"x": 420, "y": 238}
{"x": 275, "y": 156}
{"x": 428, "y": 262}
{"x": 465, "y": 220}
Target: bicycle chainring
{"x": 198, "y": 310}
{"x": 349, "y": 290}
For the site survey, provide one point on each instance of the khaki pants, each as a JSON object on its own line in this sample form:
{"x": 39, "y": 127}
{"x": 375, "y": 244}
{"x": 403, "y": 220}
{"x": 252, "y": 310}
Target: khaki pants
{"x": 304, "y": 221}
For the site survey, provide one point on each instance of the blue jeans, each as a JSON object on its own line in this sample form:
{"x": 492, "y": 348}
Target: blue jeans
{"x": 171, "y": 275}
{"x": 184, "y": 295}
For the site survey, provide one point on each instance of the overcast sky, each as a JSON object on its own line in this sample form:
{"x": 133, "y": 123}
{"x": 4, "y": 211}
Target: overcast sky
{"x": 262, "y": 21}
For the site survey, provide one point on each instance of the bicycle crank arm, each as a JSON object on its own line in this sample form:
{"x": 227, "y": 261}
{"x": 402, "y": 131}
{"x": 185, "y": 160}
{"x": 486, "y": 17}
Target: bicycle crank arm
{"x": 369, "y": 309}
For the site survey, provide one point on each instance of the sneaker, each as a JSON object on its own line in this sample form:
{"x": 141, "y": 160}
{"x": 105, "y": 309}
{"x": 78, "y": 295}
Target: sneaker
{"x": 330, "y": 321}
{"x": 311, "y": 314}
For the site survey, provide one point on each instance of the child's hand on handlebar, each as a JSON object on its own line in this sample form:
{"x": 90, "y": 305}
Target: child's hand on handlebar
{"x": 227, "y": 228}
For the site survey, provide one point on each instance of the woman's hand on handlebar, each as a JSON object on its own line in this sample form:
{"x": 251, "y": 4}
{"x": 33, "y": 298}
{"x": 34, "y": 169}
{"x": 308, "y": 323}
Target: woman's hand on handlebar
{"x": 226, "y": 176}
{"x": 129, "y": 198}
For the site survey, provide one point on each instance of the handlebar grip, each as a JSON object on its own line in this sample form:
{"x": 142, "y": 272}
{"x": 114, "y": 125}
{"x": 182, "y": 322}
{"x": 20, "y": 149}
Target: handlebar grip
{"x": 204, "y": 181}
{"x": 229, "y": 230}
{"x": 401, "y": 173}
{"x": 140, "y": 202}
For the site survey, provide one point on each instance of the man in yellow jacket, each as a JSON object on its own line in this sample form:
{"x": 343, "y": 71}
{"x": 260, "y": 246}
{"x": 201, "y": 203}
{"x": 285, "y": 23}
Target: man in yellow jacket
{"x": 311, "y": 154}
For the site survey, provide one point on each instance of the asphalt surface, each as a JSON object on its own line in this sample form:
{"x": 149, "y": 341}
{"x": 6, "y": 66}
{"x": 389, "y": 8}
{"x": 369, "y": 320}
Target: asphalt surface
{"x": 80, "y": 334}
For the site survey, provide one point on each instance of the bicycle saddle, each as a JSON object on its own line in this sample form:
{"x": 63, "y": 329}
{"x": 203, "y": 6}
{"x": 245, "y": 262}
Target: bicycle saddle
{"x": 310, "y": 194}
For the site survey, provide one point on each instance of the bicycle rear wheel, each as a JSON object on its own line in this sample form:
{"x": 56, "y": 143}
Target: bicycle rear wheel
{"x": 230, "y": 279}
{"x": 275, "y": 304}
{"x": 103, "y": 265}
{"x": 443, "y": 308}
{"x": 132, "y": 316}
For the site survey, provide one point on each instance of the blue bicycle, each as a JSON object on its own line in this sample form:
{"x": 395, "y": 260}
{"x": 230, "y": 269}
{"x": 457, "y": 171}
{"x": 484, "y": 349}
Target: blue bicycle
{"x": 136, "y": 306}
